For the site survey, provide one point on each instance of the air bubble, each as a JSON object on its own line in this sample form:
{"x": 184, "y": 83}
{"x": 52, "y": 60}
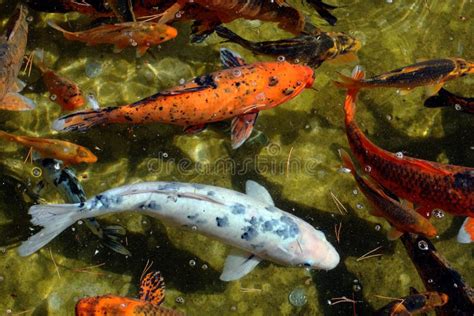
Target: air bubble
{"x": 399, "y": 155}
{"x": 204, "y": 267}
{"x": 355, "y": 192}
{"x": 356, "y": 288}
{"x": 378, "y": 227}
{"x": 438, "y": 213}
{"x": 194, "y": 227}
{"x": 29, "y": 19}
{"x": 165, "y": 155}
{"x": 53, "y": 97}
{"x": 458, "y": 107}
{"x": 182, "y": 81}
{"x": 423, "y": 245}
{"x": 368, "y": 168}
{"x": 180, "y": 300}
{"x": 360, "y": 206}
{"x": 36, "y": 172}
{"x": 389, "y": 117}
{"x": 237, "y": 73}
{"x": 281, "y": 58}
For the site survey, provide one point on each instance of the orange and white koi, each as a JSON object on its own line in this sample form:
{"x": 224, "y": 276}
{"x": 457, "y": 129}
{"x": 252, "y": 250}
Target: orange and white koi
{"x": 141, "y": 35}
{"x": 152, "y": 295}
{"x": 401, "y": 216}
{"x": 239, "y": 92}
{"x": 68, "y": 152}
{"x": 12, "y": 50}
{"x": 430, "y": 185}
{"x": 433, "y": 73}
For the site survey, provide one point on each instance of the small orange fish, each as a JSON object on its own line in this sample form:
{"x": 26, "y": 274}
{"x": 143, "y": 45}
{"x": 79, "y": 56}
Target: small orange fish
{"x": 66, "y": 93}
{"x": 413, "y": 304}
{"x": 433, "y": 73}
{"x": 401, "y": 216}
{"x": 152, "y": 294}
{"x": 68, "y": 152}
{"x": 143, "y": 35}
{"x": 12, "y": 50}
{"x": 239, "y": 92}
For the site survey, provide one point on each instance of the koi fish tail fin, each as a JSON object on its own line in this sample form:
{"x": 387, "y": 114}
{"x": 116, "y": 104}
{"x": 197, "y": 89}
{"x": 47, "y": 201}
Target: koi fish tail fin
{"x": 111, "y": 239}
{"x": 290, "y": 19}
{"x": 353, "y": 82}
{"x": 323, "y": 10}
{"x": 231, "y": 36}
{"x": 466, "y": 233}
{"x": 67, "y": 34}
{"x": 347, "y": 160}
{"x": 80, "y": 121}
{"x": 54, "y": 219}
{"x": 152, "y": 288}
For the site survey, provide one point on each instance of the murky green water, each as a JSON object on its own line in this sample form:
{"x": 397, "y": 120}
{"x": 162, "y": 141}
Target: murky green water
{"x": 294, "y": 154}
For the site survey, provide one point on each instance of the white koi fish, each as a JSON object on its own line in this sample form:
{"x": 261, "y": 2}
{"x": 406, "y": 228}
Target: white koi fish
{"x": 248, "y": 222}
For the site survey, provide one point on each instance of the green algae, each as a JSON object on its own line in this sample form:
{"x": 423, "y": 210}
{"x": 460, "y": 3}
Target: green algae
{"x": 294, "y": 156}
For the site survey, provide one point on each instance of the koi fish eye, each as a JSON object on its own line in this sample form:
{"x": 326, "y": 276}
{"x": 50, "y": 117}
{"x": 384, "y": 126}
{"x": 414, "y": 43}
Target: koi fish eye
{"x": 306, "y": 264}
{"x": 82, "y": 154}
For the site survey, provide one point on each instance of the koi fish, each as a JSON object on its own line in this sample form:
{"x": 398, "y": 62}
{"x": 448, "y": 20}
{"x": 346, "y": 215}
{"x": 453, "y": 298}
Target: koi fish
{"x": 68, "y": 152}
{"x": 430, "y": 185}
{"x": 401, "y": 216}
{"x": 152, "y": 295}
{"x": 433, "y": 73}
{"x": 309, "y": 49}
{"x": 324, "y": 10}
{"x": 416, "y": 303}
{"x": 288, "y": 18}
{"x": 438, "y": 276}
{"x": 239, "y": 92}
{"x": 67, "y": 93}
{"x": 446, "y": 98}
{"x": 63, "y": 179}
{"x": 466, "y": 232}
{"x": 12, "y": 50}
{"x": 143, "y": 35}
{"x": 248, "y": 222}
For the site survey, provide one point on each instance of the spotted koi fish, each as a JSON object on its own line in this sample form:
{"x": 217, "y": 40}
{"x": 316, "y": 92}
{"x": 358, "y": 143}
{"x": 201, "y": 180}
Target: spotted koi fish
{"x": 416, "y": 303}
{"x": 311, "y": 49}
{"x": 401, "y": 216}
{"x": 438, "y": 276}
{"x": 430, "y": 185}
{"x": 68, "y": 152}
{"x": 143, "y": 35}
{"x": 248, "y": 222}
{"x": 433, "y": 73}
{"x": 446, "y": 98}
{"x": 152, "y": 295}
{"x": 238, "y": 92}
{"x": 12, "y": 51}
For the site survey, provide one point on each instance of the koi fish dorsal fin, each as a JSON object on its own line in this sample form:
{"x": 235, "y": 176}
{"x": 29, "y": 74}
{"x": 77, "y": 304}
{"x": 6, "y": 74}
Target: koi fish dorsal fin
{"x": 152, "y": 288}
{"x": 258, "y": 192}
{"x": 230, "y": 59}
{"x": 466, "y": 233}
{"x": 238, "y": 264}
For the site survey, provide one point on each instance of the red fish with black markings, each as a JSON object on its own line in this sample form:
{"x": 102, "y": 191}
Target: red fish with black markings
{"x": 433, "y": 73}
{"x": 446, "y": 98}
{"x": 239, "y": 92}
{"x": 413, "y": 304}
{"x": 429, "y": 185}
{"x": 152, "y": 295}
{"x": 401, "y": 216}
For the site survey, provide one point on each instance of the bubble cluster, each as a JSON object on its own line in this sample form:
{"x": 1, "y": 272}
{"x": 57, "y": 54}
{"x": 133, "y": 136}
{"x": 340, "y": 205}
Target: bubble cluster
{"x": 180, "y": 300}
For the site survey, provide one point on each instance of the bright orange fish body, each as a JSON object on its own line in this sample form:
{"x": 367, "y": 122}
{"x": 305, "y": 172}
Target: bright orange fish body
{"x": 143, "y": 35}
{"x": 430, "y": 185}
{"x": 68, "y": 152}
{"x": 239, "y": 92}
{"x": 434, "y": 72}
{"x": 12, "y": 50}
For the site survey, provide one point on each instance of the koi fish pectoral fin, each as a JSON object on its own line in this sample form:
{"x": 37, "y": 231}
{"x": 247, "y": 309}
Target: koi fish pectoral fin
{"x": 230, "y": 59}
{"x": 193, "y": 129}
{"x": 258, "y": 192}
{"x": 394, "y": 234}
{"x": 238, "y": 264}
{"x": 152, "y": 288}
{"x": 466, "y": 232}
{"x": 16, "y": 102}
{"x": 241, "y": 128}
{"x": 17, "y": 86}
{"x": 433, "y": 89}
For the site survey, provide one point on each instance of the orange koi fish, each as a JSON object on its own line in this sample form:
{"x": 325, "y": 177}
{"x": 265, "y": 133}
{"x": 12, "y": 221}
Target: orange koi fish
{"x": 152, "y": 294}
{"x": 433, "y": 73}
{"x": 446, "y": 98}
{"x": 53, "y": 148}
{"x": 143, "y": 35}
{"x": 416, "y": 303}
{"x": 288, "y": 18}
{"x": 12, "y": 50}
{"x": 66, "y": 93}
{"x": 239, "y": 92}
{"x": 401, "y": 216}
{"x": 430, "y": 185}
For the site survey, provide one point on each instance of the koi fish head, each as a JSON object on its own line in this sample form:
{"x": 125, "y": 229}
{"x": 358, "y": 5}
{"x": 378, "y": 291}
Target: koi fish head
{"x": 346, "y": 43}
{"x": 160, "y": 33}
{"x": 85, "y": 155}
{"x": 436, "y": 298}
{"x": 73, "y": 103}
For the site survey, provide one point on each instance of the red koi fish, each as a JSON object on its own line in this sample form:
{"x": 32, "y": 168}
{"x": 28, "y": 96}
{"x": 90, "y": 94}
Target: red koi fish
{"x": 433, "y": 73}
{"x": 239, "y": 92}
{"x": 143, "y": 35}
{"x": 152, "y": 295}
{"x": 430, "y": 185}
{"x": 401, "y": 216}
{"x": 12, "y": 50}
{"x": 66, "y": 93}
